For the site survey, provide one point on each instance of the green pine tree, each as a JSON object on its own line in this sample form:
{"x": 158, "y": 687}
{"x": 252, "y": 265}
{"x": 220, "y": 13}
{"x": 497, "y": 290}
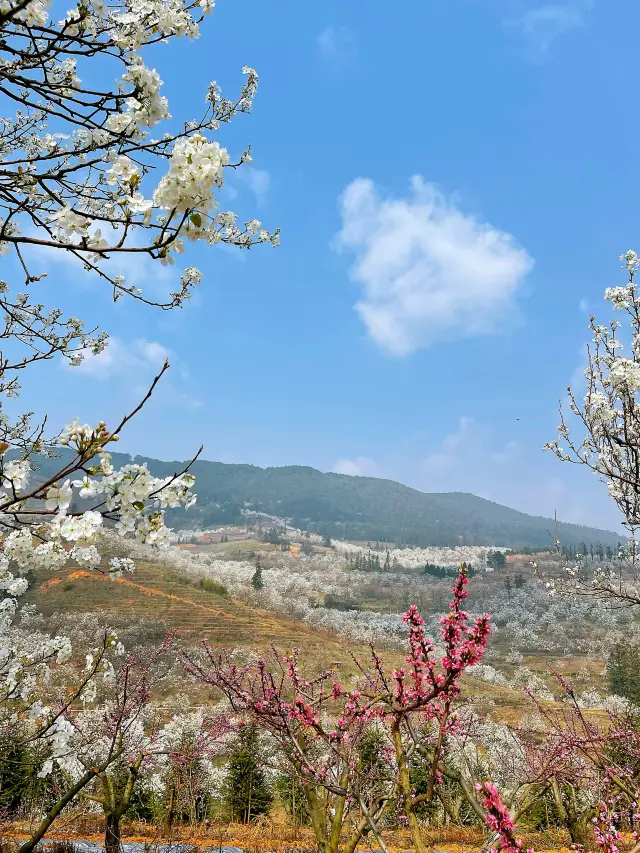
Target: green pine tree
{"x": 19, "y": 783}
{"x": 623, "y": 671}
{"x": 257, "y": 581}
{"x": 246, "y": 791}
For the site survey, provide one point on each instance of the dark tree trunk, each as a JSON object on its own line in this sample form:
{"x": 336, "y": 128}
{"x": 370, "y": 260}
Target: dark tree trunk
{"x": 579, "y": 832}
{"x": 112, "y": 835}
{"x": 168, "y": 820}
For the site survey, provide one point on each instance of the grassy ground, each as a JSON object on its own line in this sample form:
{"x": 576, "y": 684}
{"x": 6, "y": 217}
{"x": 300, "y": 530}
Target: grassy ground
{"x": 272, "y": 835}
{"x": 157, "y": 595}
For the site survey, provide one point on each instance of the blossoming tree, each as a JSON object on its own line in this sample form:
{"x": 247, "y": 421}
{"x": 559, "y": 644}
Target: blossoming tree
{"x": 93, "y": 727}
{"x": 608, "y": 428}
{"x": 146, "y": 745}
{"x": 96, "y": 172}
{"x": 319, "y": 724}
{"x": 594, "y": 772}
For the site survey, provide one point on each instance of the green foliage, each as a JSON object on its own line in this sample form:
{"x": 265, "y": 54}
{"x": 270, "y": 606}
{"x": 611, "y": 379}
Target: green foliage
{"x": 290, "y": 793}
{"x": 623, "y": 671}
{"x": 275, "y": 537}
{"x": 360, "y": 562}
{"x": 257, "y": 581}
{"x": 595, "y": 551}
{"x": 19, "y": 783}
{"x": 373, "y": 768}
{"x": 622, "y": 752}
{"x": 307, "y": 549}
{"x": 360, "y": 508}
{"x": 445, "y": 571}
{"x": 246, "y": 792}
{"x": 419, "y": 775}
{"x": 369, "y": 749}
{"x": 496, "y": 559}
{"x": 543, "y": 814}
{"x": 335, "y": 602}
{"x": 20, "y": 786}
{"x": 213, "y": 586}
{"x": 439, "y": 571}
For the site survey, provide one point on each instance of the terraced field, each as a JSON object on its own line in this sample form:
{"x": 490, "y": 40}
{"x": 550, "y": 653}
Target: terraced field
{"x": 157, "y": 595}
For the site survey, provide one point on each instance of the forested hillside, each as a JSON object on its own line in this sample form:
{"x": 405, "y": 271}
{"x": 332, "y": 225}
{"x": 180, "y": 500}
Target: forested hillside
{"x": 346, "y": 507}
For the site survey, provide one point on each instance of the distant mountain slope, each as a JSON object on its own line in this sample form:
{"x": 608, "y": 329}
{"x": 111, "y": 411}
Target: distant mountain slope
{"x": 366, "y": 508}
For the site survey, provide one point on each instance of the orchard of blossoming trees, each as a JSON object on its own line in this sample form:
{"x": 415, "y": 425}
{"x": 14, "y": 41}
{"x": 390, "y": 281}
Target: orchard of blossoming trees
{"x": 89, "y": 170}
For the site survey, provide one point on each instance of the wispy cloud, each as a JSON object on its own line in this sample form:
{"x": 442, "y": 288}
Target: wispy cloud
{"x": 120, "y": 359}
{"x": 578, "y": 380}
{"x": 428, "y": 272}
{"x": 361, "y": 466}
{"x": 134, "y": 364}
{"x": 139, "y": 268}
{"x": 462, "y": 452}
{"x": 511, "y": 472}
{"x": 335, "y": 43}
{"x": 258, "y": 181}
{"x": 541, "y": 26}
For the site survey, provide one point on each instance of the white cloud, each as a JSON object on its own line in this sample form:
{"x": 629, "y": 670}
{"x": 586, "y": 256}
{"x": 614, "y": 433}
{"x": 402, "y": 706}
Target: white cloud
{"x": 508, "y": 454}
{"x": 462, "y": 454}
{"x": 541, "y": 26}
{"x": 119, "y": 359}
{"x": 428, "y": 271}
{"x": 138, "y": 268}
{"x": 362, "y": 466}
{"x": 182, "y": 399}
{"x": 257, "y": 180}
{"x": 442, "y": 462}
{"x": 578, "y": 381}
{"x": 583, "y": 305}
{"x": 335, "y": 43}
{"x": 134, "y": 364}
{"x": 515, "y": 473}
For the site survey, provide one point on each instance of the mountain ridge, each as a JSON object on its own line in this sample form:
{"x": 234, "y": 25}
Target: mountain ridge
{"x": 360, "y": 507}
{"x": 346, "y": 506}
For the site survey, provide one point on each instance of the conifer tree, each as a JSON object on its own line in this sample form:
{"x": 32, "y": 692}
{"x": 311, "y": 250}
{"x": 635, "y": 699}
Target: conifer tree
{"x": 257, "y": 581}
{"x": 246, "y": 791}
{"x": 623, "y": 671}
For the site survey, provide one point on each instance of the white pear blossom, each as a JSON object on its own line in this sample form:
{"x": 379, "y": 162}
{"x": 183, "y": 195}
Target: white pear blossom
{"x": 59, "y": 497}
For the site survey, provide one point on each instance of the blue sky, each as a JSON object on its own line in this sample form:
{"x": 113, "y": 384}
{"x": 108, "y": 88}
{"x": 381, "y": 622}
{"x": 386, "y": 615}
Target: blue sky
{"x": 454, "y": 183}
